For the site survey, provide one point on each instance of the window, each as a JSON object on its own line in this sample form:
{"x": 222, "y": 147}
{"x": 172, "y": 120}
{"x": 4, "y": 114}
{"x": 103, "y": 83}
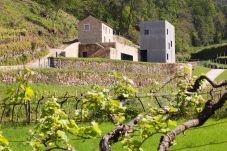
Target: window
{"x": 87, "y": 27}
{"x": 167, "y": 56}
{"x": 146, "y": 32}
{"x": 171, "y": 43}
{"x": 106, "y": 30}
{"x": 84, "y": 54}
{"x": 167, "y": 31}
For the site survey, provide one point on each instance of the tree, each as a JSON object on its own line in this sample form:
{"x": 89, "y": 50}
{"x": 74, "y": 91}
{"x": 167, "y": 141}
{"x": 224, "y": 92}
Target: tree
{"x": 134, "y": 133}
{"x": 186, "y": 98}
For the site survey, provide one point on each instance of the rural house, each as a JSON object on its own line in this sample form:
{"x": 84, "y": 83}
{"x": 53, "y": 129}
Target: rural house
{"x": 157, "y": 42}
{"x": 96, "y": 40}
{"x": 92, "y": 30}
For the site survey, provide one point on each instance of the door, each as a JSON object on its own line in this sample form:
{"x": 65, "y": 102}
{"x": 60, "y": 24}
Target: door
{"x": 143, "y": 55}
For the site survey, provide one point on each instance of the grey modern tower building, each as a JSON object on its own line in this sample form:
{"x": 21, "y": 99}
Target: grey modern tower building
{"x": 157, "y": 41}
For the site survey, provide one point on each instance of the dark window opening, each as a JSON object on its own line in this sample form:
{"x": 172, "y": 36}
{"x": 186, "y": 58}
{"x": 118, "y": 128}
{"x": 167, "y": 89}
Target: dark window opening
{"x": 84, "y": 54}
{"x": 167, "y": 56}
{"x": 143, "y": 55}
{"x": 171, "y": 43}
{"x": 126, "y": 57}
{"x": 87, "y": 27}
{"x": 146, "y": 32}
{"x": 167, "y": 31}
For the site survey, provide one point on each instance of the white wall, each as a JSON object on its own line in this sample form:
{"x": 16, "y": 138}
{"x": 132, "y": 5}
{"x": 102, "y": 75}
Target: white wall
{"x": 121, "y": 48}
{"x": 72, "y": 50}
{"x": 107, "y": 33}
{"x": 170, "y": 37}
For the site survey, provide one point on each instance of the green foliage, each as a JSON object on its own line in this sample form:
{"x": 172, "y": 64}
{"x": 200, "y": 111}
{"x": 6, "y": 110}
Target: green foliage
{"x": 123, "y": 88}
{"x": 15, "y": 16}
{"x": 101, "y": 101}
{"x": 4, "y": 144}
{"x": 161, "y": 120}
{"x": 23, "y": 92}
{"x": 198, "y": 22}
{"x": 55, "y": 124}
{"x": 12, "y": 53}
{"x": 50, "y": 132}
{"x": 212, "y": 52}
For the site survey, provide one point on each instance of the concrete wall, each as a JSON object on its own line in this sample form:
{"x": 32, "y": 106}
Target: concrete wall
{"x": 157, "y": 41}
{"x": 122, "y": 48}
{"x": 98, "y": 30}
{"x": 170, "y": 38}
{"x": 72, "y": 50}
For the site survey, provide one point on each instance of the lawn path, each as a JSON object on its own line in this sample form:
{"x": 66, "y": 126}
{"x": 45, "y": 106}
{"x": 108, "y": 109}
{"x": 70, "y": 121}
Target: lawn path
{"x": 213, "y": 74}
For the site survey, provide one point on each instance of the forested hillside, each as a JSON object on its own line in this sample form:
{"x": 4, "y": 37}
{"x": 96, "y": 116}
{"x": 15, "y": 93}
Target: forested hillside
{"x": 198, "y": 22}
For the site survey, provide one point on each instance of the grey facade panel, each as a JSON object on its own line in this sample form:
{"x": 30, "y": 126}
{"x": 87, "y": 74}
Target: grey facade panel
{"x": 158, "y": 38}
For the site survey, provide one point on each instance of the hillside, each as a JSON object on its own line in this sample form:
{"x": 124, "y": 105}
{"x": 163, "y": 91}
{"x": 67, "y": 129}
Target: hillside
{"x": 198, "y": 22}
{"x": 26, "y": 30}
{"x": 29, "y": 25}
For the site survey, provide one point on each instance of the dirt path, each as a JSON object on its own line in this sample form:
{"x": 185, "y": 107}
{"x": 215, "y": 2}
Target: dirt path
{"x": 38, "y": 63}
{"x": 43, "y": 62}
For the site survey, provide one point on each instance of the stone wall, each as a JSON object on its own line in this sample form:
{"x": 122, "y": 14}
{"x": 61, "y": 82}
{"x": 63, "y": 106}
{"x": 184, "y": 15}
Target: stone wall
{"x": 84, "y": 72}
{"x": 85, "y": 78}
{"x": 118, "y": 66}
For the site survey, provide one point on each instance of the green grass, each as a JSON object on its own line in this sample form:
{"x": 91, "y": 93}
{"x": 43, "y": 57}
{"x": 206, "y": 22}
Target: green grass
{"x": 45, "y": 88}
{"x": 218, "y": 65}
{"x": 100, "y": 60}
{"x": 222, "y": 77}
{"x": 199, "y": 70}
{"x": 16, "y": 14}
{"x": 211, "y": 138}
{"x": 24, "y": 58}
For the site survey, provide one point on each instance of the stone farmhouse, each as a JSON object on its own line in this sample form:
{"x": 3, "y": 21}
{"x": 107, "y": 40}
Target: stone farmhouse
{"x": 157, "y": 41}
{"x": 92, "y": 30}
{"x": 96, "y": 40}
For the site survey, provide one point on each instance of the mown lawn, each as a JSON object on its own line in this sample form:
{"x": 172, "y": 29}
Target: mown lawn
{"x": 222, "y": 77}
{"x": 199, "y": 70}
{"x": 207, "y": 138}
